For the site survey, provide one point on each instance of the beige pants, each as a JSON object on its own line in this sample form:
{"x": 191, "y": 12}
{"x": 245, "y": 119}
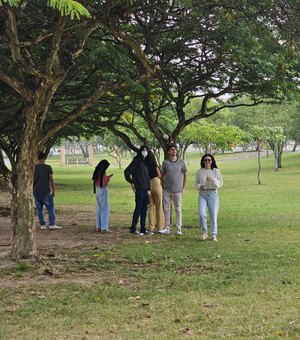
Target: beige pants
{"x": 155, "y": 206}
{"x": 176, "y": 198}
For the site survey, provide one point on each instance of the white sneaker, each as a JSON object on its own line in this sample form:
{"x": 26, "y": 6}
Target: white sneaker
{"x": 43, "y": 226}
{"x": 165, "y": 231}
{"x": 178, "y": 232}
{"x": 214, "y": 238}
{"x": 203, "y": 237}
{"x": 54, "y": 226}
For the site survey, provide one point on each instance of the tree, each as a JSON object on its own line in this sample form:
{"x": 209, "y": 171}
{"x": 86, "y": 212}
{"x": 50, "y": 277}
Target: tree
{"x": 274, "y": 138}
{"x": 40, "y": 73}
{"x": 203, "y": 51}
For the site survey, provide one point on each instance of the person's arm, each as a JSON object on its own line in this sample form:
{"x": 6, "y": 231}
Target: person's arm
{"x": 218, "y": 180}
{"x": 163, "y": 174}
{"x": 185, "y": 176}
{"x": 128, "y": 173}
{"x": 158, "y": 172}
{"x": 198, "y": 184}
{"x": 52, "y": 185}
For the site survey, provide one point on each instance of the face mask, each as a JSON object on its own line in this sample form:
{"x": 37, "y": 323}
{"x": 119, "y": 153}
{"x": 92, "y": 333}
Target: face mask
{"x": 144, "y": 154}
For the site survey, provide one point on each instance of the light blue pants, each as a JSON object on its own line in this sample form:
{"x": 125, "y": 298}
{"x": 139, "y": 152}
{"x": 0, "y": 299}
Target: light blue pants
{"x": 102, "y": 209}
{"x": 208, "y": 199}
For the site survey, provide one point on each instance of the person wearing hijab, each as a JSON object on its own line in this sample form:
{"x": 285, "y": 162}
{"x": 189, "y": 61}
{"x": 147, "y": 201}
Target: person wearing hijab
{"x": 208, "y": 180}
{"x": 100, "y": 181}
{"x": 138, "y": 176}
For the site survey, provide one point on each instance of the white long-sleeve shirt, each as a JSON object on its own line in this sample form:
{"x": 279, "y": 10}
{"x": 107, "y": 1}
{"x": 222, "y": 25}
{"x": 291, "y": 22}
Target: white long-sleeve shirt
{"x": 201, "y": 179}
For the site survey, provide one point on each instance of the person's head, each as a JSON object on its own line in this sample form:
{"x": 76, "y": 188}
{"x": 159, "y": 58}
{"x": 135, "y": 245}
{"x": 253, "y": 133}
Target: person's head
{"x": 172, "y": 150}
{"x": 143, "y": 151}
{"x": 207, "y": 161}
{"x": 151, "y": 158}
{"x": 42, "y": 156}
{"x": 100, "y": 170}
{"x": 103, "y": 165}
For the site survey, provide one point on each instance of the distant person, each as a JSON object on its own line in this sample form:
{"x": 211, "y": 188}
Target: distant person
{"x": 174, "y": 178}
{"x": 44, "y": 191}
{"x": 155, "y": 206}
{"x": 101, "y": 181}
{"x": 208, "y": 180}
{"x": 138, "y": 176}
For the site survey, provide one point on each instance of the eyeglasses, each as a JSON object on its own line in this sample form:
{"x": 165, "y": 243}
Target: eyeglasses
{"x": 207, "y": 160}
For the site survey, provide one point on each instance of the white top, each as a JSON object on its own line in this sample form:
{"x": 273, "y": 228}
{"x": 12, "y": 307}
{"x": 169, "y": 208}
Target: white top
{"x": 202, "y": 179}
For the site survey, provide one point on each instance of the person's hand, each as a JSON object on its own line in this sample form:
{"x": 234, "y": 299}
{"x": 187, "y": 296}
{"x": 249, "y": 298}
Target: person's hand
{"x": 132, "y": 187}
{"x": 53, "y": 194}
{"x": 202, "y": 187}
{"x": 209, "y": 179}
{"x": 149, "y": 193}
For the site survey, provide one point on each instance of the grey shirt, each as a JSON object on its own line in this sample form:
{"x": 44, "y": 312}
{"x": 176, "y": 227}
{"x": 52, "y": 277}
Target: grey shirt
{"x": 172, "y": 172}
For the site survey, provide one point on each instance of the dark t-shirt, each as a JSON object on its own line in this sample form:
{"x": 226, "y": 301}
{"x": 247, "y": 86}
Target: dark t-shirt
{"x": 42, "y": 174}
{"x": 152, "y": 167}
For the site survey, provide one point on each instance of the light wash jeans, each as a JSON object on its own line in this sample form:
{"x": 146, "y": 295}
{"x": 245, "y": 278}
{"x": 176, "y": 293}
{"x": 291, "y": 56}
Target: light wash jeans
{"x": 208, "y": 199}
{"x": 168, "y": 197}
{"x": 47, "y": 200}
{"x": 102, "y": 209}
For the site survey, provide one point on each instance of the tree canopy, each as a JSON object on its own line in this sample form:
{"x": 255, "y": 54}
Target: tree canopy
{"x": 62, "y": 63}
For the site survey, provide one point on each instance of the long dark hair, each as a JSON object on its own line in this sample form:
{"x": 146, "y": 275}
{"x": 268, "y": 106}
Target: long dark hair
{"x": 99, "y": 172}
{"x": 150, "y": 159}
{"x": 139, "y": 153}
{"x": 213, "y": 161}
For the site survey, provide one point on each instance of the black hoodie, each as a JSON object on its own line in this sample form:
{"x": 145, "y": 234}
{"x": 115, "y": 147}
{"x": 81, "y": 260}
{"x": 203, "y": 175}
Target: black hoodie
{"x": 137, "y": 173}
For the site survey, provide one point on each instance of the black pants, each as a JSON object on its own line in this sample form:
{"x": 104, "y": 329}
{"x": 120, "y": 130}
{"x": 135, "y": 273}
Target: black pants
{"x": 140, "y": 211}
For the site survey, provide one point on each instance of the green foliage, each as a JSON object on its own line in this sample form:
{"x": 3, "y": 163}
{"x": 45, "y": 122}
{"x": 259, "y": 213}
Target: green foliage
{"x": 10, "y": 2}
{"x": 70, "y": 8}
{"x": 212, "y": 137}
{"x": 266, "y": 134}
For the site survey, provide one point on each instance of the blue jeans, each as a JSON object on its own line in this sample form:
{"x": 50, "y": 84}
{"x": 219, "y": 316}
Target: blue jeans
{"x": 208, "y": 199}
{"x": 140, "y": 211}
{"x": 102, "y": 209}
{"x": 47, "y": 200}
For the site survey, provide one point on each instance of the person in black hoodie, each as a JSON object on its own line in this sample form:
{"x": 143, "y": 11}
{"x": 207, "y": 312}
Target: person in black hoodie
{"x": 138, "y": 176}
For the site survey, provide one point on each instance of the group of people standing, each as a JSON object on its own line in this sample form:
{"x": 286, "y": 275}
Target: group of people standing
{"x": 156, "y": 191}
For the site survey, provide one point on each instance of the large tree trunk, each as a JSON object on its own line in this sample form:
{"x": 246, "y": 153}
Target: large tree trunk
{"x": 22, "y": 208}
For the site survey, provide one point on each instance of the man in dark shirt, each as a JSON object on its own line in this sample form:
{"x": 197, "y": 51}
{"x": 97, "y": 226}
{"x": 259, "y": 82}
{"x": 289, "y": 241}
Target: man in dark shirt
{"x": 44, "y": 191}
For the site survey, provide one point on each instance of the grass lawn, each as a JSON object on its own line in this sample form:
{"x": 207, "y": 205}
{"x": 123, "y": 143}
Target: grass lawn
{"x": 170, "y": 287}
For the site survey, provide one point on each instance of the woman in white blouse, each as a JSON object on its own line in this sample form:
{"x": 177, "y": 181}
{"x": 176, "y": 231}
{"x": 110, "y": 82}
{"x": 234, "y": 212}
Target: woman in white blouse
{"x": 208, "y": 180}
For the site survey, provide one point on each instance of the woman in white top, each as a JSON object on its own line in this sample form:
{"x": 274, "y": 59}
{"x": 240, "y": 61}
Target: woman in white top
{"x": 208, "y": 180}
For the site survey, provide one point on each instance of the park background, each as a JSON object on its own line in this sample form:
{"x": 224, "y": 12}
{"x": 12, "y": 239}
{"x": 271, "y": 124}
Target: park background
{"x": 94, "y": 286}
{"x": 223, "y": 73}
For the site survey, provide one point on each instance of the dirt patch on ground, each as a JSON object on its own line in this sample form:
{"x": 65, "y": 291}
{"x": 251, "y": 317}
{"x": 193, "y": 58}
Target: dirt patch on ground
{"x": 72, "y": 254}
